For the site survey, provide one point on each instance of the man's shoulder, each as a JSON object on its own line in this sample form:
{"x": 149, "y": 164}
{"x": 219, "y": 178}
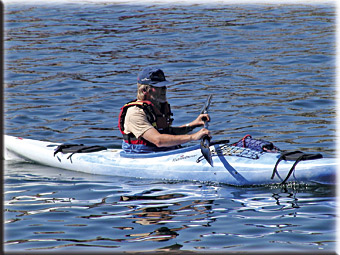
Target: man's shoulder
{"x": 135, "y": 110}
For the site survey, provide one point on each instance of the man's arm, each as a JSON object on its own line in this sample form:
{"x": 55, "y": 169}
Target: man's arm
{"x": 184, "y": 129}
{"x": 165, "y": 140}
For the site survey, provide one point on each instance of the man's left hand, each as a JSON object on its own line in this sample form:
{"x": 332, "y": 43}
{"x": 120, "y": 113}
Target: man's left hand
{"x": 199, "y": 121}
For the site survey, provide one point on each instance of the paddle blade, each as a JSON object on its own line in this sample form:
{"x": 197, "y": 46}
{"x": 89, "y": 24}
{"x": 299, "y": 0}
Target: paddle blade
{"x": 205, "y": 144}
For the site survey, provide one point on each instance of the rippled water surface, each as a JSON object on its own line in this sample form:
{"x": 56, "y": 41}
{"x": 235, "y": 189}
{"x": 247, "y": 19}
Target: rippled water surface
{"x": 69, "y": 69}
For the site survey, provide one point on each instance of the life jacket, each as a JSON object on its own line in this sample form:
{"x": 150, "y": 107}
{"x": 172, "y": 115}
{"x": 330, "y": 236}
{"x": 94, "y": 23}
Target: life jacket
{"x": 159, "y": 119}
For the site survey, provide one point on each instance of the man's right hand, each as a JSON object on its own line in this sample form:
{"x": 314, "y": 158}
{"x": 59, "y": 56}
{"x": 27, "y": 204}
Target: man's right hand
{"x": 198, "y": 135}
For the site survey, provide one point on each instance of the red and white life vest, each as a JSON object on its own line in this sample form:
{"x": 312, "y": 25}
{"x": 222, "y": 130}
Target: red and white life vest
{"x": 159, "y": 119}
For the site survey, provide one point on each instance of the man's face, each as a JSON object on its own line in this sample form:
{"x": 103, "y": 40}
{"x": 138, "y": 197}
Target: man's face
{"x": 158, "y": 94}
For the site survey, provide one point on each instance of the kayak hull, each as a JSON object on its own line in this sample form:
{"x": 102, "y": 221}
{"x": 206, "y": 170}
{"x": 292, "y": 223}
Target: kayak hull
{"x": 181, "y": 165}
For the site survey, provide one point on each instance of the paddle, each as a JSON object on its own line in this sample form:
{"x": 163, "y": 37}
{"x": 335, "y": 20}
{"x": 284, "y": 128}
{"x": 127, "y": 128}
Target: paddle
{"x": 205, "y": 142}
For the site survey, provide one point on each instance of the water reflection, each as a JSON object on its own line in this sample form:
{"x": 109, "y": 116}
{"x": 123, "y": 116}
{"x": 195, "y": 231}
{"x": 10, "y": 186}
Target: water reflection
{"x": 171, "y": 213}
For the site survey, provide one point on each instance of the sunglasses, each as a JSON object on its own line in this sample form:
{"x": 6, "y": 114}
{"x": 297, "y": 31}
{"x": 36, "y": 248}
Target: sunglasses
{"x": 163, "y": 87}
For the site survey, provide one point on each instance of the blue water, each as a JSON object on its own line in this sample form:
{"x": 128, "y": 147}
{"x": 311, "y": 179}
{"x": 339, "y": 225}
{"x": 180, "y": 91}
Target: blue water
{"x": 69, "y": 69}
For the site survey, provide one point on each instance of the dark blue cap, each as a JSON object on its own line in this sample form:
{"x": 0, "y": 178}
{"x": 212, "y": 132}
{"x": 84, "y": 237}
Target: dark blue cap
{"x": 152, "y": 76}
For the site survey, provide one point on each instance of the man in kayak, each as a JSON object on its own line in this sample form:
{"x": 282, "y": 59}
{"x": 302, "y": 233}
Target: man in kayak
{"x": 146, "y": 122}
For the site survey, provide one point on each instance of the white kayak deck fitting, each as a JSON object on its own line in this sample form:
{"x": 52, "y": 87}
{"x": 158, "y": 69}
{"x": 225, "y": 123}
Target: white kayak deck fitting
{"x": 231, "y": 165}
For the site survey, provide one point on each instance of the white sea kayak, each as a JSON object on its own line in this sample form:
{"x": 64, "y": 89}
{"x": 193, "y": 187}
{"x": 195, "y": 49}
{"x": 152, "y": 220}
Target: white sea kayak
{"x": 231, "y": 165}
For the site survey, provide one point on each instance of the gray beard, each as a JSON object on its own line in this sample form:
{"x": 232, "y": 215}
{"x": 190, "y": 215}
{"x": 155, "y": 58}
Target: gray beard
{"x": 156, "y": 102}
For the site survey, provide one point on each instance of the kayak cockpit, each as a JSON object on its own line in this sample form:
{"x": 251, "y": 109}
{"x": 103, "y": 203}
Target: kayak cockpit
{"x": 159, "y": 153}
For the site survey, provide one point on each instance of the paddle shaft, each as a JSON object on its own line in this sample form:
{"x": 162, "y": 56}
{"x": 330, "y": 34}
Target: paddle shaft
{"x": 205, "y": 142}
{"x": 205, "y": 111}
{"x": 206, "y": 105}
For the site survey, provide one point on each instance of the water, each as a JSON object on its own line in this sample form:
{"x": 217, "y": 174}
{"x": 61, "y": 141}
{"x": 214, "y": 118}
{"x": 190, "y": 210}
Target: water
{"x": 70, "y": 67}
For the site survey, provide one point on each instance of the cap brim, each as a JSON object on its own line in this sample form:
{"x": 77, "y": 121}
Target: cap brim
{"x": 160, "y": 84}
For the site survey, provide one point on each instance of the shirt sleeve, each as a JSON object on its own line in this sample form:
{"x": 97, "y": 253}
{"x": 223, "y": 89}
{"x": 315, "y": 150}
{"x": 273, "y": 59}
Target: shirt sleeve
{"x": 136, "y": 122}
